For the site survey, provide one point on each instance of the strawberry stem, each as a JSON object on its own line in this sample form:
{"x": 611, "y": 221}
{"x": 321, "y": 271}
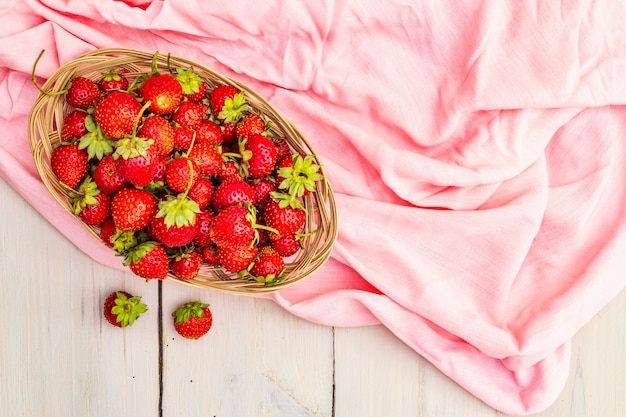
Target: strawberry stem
{"x": 34, "y": 80}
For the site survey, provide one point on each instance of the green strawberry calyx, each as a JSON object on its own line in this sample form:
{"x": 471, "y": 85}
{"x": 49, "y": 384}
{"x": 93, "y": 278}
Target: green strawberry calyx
{"x": 178, "y": 210}
{"x": 188, "y": 310}
{"x": 189, "y": 80}
{"x": 233, "y": 108}
{"x": 85, "y": 195}
{"x": 95, "y": 141}
{"x": 127, "y": 310}
{"x": 301, "y": 177}
{"x": 135, "y": 254}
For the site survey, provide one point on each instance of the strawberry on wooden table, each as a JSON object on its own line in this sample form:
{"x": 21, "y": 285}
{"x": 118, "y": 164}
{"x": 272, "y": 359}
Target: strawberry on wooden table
{"x": 121, "y": 309}
{"x": 193, "y": 320}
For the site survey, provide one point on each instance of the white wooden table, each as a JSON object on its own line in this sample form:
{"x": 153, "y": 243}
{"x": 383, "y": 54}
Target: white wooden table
{"x": 59, "y": 358}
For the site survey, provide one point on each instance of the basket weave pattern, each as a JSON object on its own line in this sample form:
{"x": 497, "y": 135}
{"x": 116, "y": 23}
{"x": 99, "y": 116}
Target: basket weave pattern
{"x": 46, "y": 119}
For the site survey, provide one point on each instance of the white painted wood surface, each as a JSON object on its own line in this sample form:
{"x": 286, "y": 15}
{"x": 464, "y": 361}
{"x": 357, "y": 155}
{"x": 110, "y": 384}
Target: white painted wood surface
{"x": 58, "y": 358}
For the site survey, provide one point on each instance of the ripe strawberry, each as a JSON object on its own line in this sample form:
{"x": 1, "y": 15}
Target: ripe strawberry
{"x": 201, "y": 192}
{"x": 113, "y": 80}
{"x": 262, "y": 190}
{"x": 189, "y": 115}
{"x": 99, "y": 212}
{"x": 297, "y": 174}
{"x": 204, "y": 220}
{"x": 283, "y": 148}
{"x": 268, "y": 265}
{"x": 194, "y": 87}
{"x": 121, "y": 309}
{"x": 231, "y": 192}
{"x": 69, "y": 164}
{"x": 209, "y": 132}
{"x": 173, "y": 235}
{"x": 148, "y": 260}
{"x": 229, "y": 134}
{"x": 73, "y": 126}
{"x": 183, "y": 138}
{"x": 251, "y": 124}
{"x": 107, "y": 231}
{"x": 236, "y": 258}
{"x": 163, "y": 91}
{"x": 207, "y": 157}
{"x": 193, "y": 320}
{"x": 233, "y": 227}
{"x": 260, "y": 155}
{"x": 186, "y": 265}
{"x": 287, "y": 245}
{"x": 116, "y": 114}
{"x": 181, "y": 173}
{"x": 286, "y": 220}
{"x": 137, "y": 160}
{"x": 209, "y": 255}
{"x": 82, "y": 93}
{"x": 230, "y": 170}
{"x": 158, "y": 129}
{"x": 132, "y": 209}
{"x": 107, "y": 176}
{"x": 227, "y": 103}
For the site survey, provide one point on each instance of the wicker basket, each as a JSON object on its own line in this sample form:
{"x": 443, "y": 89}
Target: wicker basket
{"x": 44, "y": 134}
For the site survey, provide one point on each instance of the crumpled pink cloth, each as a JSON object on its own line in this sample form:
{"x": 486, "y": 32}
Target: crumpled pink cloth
{"x": 477, "y": 150}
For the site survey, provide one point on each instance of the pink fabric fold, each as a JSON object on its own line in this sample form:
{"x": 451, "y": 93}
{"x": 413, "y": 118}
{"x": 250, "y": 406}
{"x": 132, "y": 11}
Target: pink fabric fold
{"x": 476, "y": 151}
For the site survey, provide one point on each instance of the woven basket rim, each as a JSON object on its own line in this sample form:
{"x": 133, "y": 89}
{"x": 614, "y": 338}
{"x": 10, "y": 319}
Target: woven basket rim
{"x": 47, "y": 115}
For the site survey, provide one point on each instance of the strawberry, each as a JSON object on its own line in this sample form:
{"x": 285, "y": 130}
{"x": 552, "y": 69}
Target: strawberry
{"x": 121, "y": 309}
{"x": 180, "y": 174}
{"x": 194, "y": 87}
{"x": 132, "y": 209}
{"x": 107, "y": 231}
{"x": 189, "y": 115}
{"x": 284, "y": 218}
{"x": 262, "y": 189}
{"x": 268, "y": 265}
{"x": 231, "y": 192}
{"x": 107, "y": 176}
{"x": 251, "y": 124}
{"x": 148, "y": 260}
{"x": 116, "y": 114}
{"x": 287, "y": 245}
{"x": 163, "y": 91}
{"x": 259, "y": 155}
{"x": 227, "y": 103}
{"x": 283, "y": 148}
{"x": 137, "y": 160}
{"x": 229, "y": 133}
{"x": 69, "y": 164}
{"x": 82, "y": 93}
{"x": 209, "y": 132}
{"x": 204, "y": 220}
{"x": 158, "y": 129}
{"x": 233, "y": 226}
{"x": 173, "y": 235}
{"x": 201, "y": 192}
{"x": 175, "y": 224}
{"x": 236, "y": 258}
{"x": 113, "y": 80}
{"x": 186, "y": 265}
{"x": 298, "y": 174}
{"x": 97, "y": 213}
{"x": 193, "y": 320}
{"x": 230, "y": 170}
{"x": 73, "y": 125}
{"x": 207, "y": 157}
{"x": 209, "y": 255}
{"x": 183, "y": 138}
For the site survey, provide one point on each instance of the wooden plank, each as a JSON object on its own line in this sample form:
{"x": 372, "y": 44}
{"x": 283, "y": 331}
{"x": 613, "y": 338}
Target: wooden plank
{"x": 58, "y": 357}
{"x": 257, "y": 360}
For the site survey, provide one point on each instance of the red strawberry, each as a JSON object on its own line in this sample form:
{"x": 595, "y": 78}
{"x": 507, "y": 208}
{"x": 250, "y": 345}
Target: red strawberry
{"x": 99, "y": 212}
{"x": 82, "y": 93}
{"x": 194, "y": 87}
{"x": 193, "y": 320}
{"x": 298, "y": 174}
{"x": 209, "y": 132}
{"x": 107, "y": 176}
{"x": 113, "y": 80}
{"x": 209, "y": 255}
{"x": 183, "y": 138}
{"x": 180, "y": 174}
{"x": 189, "y": 115}
{"x": 287, "y": 245}
{"x": 268, "y": 265}
{"x": 233, "y": 227}
{"x": 132, "y": 209}
{"x": 69, "y": 164}
{"x": 283, "y": 148}
{"x": 163, "y": 91}
{"x": 138, "y": 162}
{"x": 173, "y": 235}
{"x": 73, "y": 126}
{"x": 148, "y": 260}
{"x": 231, "y": 192}
{"x": 229, "y": 134}
{"x": 204, "y": 220}
{"x": 236, "y": 258}
{"x": 227, "y": 103}
{"x": 107, "y": 231}
{"x": 186, "y": 265}
{"x": 116, "y": 114}
{"x": 121, "y": 309}
{"x": 230, "y": 170}
{"x": 260, "y": 155}
{"x": 207, "y": 157}
{"x": 251, "y": 124}
{"x": 201, "y": 192}
{"x": 262, "y": 190}
{"x": 286, "y": 220}
{"x": 160, "y": 131}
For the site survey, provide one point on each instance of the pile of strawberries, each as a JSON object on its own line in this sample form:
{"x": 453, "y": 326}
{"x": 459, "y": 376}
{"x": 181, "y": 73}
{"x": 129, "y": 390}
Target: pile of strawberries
{"x": 176, "y": 175}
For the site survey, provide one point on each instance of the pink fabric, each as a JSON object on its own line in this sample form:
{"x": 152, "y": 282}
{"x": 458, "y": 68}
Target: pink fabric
{"x": 477, "y": 150}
